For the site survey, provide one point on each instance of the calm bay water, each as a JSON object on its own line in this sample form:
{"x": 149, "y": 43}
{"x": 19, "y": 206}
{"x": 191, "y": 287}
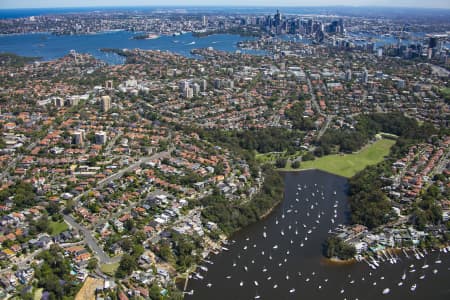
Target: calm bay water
{"x": 51, "y": 47}
{"x": 277, "y": 266}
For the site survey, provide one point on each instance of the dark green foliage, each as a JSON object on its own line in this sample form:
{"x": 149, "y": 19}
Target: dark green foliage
{"x": 54, "y": 275}
{"x": 127, "y": 265}
{"x": 262, "y": 140}
{"x": 295, "y": 164}
{"x": 231, "y": 216}
{"x": 308, "y": 156}
{"x": 23, "y": 195}
{"x": 427, "y": 211}
{"x": 368, "y": 125}
{"x": 10, "y": 59}
{"x": 368, "y": 204}
{"x": 281, "y": 162}
{"x": 296, "y": 115}
{"x": 335, "y": 247}
{"x": 185, "y": 248}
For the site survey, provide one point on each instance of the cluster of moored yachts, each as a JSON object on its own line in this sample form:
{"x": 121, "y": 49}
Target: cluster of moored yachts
{"x": 295, "y": 234}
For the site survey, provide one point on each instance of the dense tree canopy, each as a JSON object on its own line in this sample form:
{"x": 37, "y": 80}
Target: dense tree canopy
{"x": 335, "y": 247}
{"x": 54, "y": 275}
{"x": 231, "y": 216}
{"x": 22, "y": 193}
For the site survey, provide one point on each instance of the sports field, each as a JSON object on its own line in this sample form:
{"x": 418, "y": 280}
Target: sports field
{"x": 348, "y": 165}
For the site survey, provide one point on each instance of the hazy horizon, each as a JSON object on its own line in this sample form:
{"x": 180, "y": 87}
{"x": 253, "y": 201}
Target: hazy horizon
{"x": 30, "y": 4}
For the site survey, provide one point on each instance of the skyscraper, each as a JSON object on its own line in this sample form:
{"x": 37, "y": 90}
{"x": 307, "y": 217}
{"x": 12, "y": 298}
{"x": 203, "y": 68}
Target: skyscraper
{"x": 106, "y": 103}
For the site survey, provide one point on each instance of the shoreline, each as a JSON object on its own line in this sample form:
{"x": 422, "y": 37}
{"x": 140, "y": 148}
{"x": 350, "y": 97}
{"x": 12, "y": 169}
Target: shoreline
{"x": 338, "y": 261}
{"x": 284, "y": 170}
{"x": 270, "y": 210}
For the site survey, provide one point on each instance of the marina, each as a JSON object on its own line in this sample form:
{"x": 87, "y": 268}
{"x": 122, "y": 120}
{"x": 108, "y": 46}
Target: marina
{"x": 271, "y": 259}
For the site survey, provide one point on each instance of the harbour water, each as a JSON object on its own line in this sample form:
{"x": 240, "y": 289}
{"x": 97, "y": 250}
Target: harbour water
{"x": 50, "y": 46}
{"x": 280, "y": 257}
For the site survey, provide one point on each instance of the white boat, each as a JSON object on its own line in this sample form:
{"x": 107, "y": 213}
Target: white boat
{"x": 375, "y": 283}
{"x": 307, "y": 279}
{"x": 264, "y": 234}
{"x": 334, "y": 193}
{"x": 342, "y": 291}
{"x": 438, "y": 261}
{"x": 228, "y": 277}
{"x": 209, "y": 285}
{"x": 422, "y": 277}
{"x": 425, "y": 266}
{"x": 400, "y": 283}
{"x": 435, "y": 271}
{"x": 413, "y": 287}
{"x": 291, "y": 291}
{"x": 275, "y": 247}
{"x": 275, "y": 286}
{"x": 245, "y": 268}
{"x": 386, "y": 291}
{"x": 282, "y": 232}
{"x": 256, "y": 283}
{"x": 404, "y": 276}
{"x": 203, "y": 268}
{"x": 241, "y": 283}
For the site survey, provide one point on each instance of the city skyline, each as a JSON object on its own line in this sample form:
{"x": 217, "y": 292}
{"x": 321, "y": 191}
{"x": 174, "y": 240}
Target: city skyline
{"x": 11, "y": 4}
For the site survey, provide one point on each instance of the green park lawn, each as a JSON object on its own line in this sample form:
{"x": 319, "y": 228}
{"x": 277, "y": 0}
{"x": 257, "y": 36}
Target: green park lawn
{"x": 348, "y": 165}
{"x": 109, "y": 269}
{"x": 58, "y": 227}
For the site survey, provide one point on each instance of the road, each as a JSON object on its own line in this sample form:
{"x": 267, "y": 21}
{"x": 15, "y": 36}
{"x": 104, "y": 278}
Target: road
{"x": 325, "y": 127}
{"x": 88, "y": 238}
{"x": 103, "y": 257}
{"x": 130, "y": 168}
{"x": 313, "y": 98}
{"x": 13, "y": 163}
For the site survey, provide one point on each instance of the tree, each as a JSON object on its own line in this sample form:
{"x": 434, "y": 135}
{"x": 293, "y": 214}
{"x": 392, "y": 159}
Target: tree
{"x": 336, "y": 247}
{"x": 126, "y": 266}
{"x": 92, "y": 264}
{"x": 52, "y": 208}
{"x": 69, "y": 207}
{"x": 295, "y": 164}
{"x": 281, "y": 162}
{"x": 43, "y": 225}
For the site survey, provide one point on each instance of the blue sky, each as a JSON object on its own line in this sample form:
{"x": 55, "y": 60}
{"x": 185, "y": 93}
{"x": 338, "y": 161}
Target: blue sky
{"x": 278, "y": 3}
